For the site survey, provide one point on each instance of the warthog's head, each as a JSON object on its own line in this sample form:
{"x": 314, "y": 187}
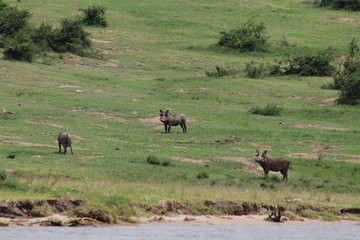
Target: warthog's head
{"x": 164, "y": 115}
{"x": 260, "y": 156}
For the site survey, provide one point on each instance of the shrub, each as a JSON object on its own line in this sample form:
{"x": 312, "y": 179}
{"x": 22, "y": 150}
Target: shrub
{"x": 94, "y": 16}
{"x": 71, "y": 37}
{"x": 153, "y": 160}
{"x": 12, "y": 19}
{"x": 2, "y": 175}
{"x": 20, "y": 47}
{"x": 202, "y": 175}
{"x": 353, "y": 5}
{"x": 348, "y": 80}
{"x": 250, "y": 37}
{"x": 318, "y": 64}
{"x": 44, "y": 36}
{"x": 222, "y": 71}
{"x": 254, "y": 70}
{"x": 268, "y": 110}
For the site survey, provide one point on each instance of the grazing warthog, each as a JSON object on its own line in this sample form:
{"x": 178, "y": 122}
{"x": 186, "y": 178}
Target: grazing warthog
{"x": 169, "y": 120}
{"x": 64, "y": 139}
{"x": 272, "y": 164}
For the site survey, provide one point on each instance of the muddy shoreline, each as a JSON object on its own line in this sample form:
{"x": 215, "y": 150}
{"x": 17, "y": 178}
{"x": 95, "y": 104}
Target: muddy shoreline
{"x": 70, "y": 211}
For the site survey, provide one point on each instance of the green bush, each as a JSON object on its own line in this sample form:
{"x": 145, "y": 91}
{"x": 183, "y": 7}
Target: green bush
{"x": 222, "y": 71}
{"x": 12, "y": 19}
{"x": 153, "y": 160}
{"x": 250, "y": 37}
{"x": 202, "y": 175}
{"x": 71, "y": 37}
{"x": 20, "y": 47}
{"x": 318, "y": 64}
{"x": 44, "y": 36}
{"x": 94, "y": 16}
{"x": 2, "y": 175}
{"x": 268, "y": 110}
{"x": 348, "y": 80}
{"x": 352, "y": 5}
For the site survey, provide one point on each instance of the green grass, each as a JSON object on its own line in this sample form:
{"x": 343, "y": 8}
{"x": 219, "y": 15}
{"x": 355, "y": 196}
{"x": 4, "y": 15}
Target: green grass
{"x": 157, "y": 57}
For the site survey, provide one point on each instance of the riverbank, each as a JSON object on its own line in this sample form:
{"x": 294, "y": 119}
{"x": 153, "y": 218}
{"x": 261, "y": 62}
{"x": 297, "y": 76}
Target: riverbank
{"x": 69, "y": 211}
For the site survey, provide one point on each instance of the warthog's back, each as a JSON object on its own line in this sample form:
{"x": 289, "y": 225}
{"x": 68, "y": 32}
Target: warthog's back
{"x": 64, "y": 138}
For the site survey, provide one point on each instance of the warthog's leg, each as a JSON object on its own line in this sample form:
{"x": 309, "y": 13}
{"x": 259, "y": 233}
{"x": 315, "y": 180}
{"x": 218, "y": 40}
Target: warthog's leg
{"x": 65, "y": 147}
{"x": 165, "y": 128}
{"x": 284, "y": 173}
{"x": 59, "y": 147}
{"x": 183, "y": 126}
{"x": 169, "y": 127}
{"x": 71, "y": 149}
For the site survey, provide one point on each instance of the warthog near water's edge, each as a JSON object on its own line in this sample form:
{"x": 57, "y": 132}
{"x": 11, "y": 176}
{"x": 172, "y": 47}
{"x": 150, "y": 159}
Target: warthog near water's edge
{"x": 272, "y": 164}
{"x": 169, "y": 120}
{"x": 64, "y": 139}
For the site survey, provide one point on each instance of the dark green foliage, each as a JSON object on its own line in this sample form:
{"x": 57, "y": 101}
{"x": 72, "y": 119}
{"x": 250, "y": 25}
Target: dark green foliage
{"x": 249, "y": 37}
{"x": 12, "y": 156}
{"x": 202, "y": 175}
{"x": 44, "y": 36}
{"x": 12, "y": 19}
{"x": 318, "y": 64}
{"x": 20, "y": 47}
{"x": 348, "y": 80}
{"x": 94, "y": 16}
{"x": 352, "y": 5}
{"x": 71, "y": 37}
{"x": 13, "y": 184}
{"x": 259, "y": 70}
{"x": 222, "y": 71}
{"x": 2, "y": 175}
{"x": 165, "y": 163}
{"x": 153, "y": 160}
{"x": 268, "y": 110}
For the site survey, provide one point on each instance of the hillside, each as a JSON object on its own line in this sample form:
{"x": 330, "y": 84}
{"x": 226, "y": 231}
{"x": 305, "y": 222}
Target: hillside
{"x": 154, "y": 56}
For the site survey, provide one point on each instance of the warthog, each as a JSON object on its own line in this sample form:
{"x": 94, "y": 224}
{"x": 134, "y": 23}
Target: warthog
{"x": 64, "y": 139}
{"x": 272, "y": 164}
{"x": 169, "y": 120}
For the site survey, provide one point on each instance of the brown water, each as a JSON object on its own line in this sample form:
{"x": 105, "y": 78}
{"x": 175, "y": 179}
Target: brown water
{"x": 286, "y": 231}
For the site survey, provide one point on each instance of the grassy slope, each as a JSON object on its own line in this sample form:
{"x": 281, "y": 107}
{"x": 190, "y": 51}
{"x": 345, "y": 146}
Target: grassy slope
{"x": 158, "y": 52}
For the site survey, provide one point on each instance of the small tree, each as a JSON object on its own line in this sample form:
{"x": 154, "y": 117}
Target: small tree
{"x": 348, "y": 80}
{"x": 94, "y": 16}
{"x": 250, "y": 37}
{"x": 71, "y": 37}
{"x": 20, "y": 47}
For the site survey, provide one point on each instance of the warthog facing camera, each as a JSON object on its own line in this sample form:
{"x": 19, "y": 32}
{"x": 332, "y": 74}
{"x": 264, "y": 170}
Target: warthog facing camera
{"x": 64, "y": 139}
{"x": 169, "y": 120}
{"x": 272, "y": 164}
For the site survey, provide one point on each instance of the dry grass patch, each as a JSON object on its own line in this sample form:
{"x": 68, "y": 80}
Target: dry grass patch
{"x": 304, "y": 125}
{"x": 45, "y": 123}
{"x": 189, "y": 160}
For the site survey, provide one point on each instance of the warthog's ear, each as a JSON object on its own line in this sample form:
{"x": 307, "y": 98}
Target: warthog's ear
{"x": 257, "y": 152}
{"x": 161, "y": 110}
{"x": 167, "y": 111}
{"x": 265, "y": 153}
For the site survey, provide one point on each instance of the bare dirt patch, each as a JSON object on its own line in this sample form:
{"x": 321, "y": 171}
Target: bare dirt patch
{"x": 249, "y": 165}
{"x": 303, "y": 155}
{"x": 347, "y": 19}
{"x": 304, "y": 125}
{"x": 28, "y": 144}
{"x": 328, "y": 102}
{"x": 107, "y": 64}
{"x": 68, "y": 86}
{"x": 189, "y": 160}
{"x": 4, "y": 111}
{"x": 231, "y": 139}
{"x": 100, "y": 41}
{"x": 104, "y": 116}
{"x": 8, "y": 136}
{"x": 353, "y": 159}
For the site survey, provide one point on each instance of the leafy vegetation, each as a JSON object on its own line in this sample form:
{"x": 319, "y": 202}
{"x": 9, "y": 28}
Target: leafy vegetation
{"x": 353, "y": 5}
{"x": 94, "y": 16}
{"x": 249, "y": 37}
{"x": 268, "y": 110}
